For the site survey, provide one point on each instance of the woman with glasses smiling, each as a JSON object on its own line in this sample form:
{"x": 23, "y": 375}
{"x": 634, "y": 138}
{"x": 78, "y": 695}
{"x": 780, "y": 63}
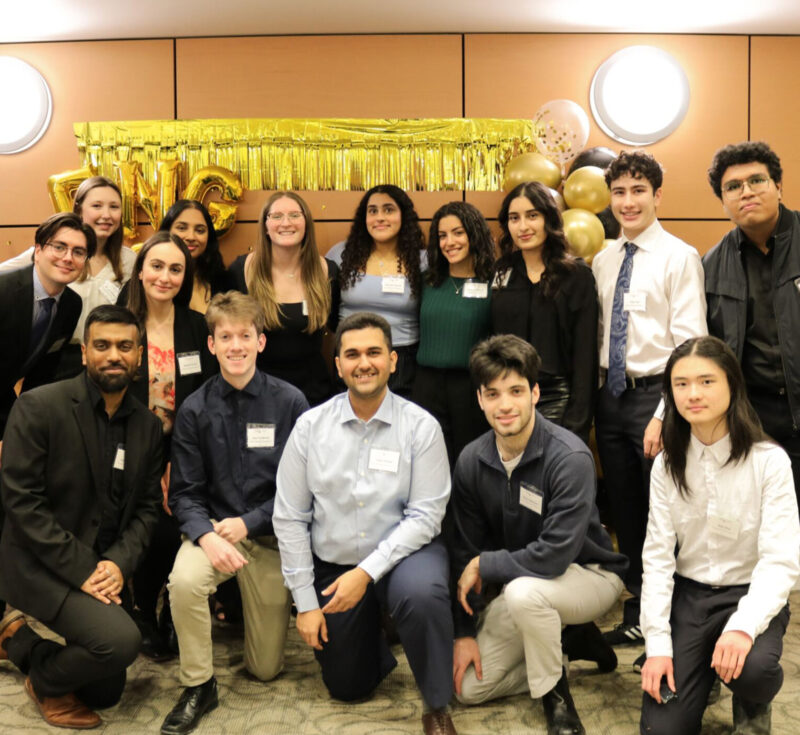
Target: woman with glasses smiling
{"x": 298, "y": 290}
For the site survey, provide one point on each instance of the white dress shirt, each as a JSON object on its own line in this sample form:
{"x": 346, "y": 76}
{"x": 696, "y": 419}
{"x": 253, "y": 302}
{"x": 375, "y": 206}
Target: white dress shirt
{"x": 353, "y": 492}
{"x": 670, "y": 302}
{"x": 737, "y": 526}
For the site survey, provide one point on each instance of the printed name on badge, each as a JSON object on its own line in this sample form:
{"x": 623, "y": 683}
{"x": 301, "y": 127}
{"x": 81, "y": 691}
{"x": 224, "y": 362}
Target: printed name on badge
{"x": 634, "y": 301}
{"x": 725, "y": 527}
{"x": 189, "y": 363}
{"x": 119, "y": 458}
{"x": 305, "y": 307}
{"x": 393, "y": 284}
{"x": 475, "y": 290}
{"x": 260, "y": 436}
{"x": 384, "y": 459}
{"x": 530, "y": 497}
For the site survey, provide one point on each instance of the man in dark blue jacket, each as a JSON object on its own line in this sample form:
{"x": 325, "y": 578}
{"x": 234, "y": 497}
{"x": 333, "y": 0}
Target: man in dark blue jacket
{"x": 525, "y": 520}
{"x": 752, "y": 279}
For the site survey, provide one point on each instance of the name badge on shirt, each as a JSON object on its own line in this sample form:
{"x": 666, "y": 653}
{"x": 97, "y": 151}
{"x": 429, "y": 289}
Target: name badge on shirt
{"x": 797, "y": 283}
{"x": 305, "y": 307}
{"x": 189, "y": 363}
{"x": 384, "y": 459}
{"x": 119, "y": 458}
{"x": 634, "y": 301}
{"x": 110, "y": 291}
{"x": 393, "y": 284}
{"x": 475, "y": 290}
{"x": 726, "y": 527}
{"x": 530, "y": 497}
{"x": 260, "y": 436}
{"x": 57, "y": 345}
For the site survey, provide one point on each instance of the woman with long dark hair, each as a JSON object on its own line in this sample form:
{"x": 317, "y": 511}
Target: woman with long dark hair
{"x": 721, "y": 553}
{"x": 381, "y": 272}
{"x": 175, "y": 363}
{"x": 454, "y": 316}
{"x": 549, "y": 298}
{"x": 298, "y": 291}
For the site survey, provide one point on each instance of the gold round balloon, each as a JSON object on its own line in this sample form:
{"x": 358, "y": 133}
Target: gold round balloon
{"x": 584, "y": 233}
{"x": 585, "y": 188}
{"x": 531, "y": 167}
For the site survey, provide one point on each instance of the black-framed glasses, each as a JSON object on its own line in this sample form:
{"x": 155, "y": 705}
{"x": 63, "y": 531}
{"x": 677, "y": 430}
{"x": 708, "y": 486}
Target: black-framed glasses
{"x": 61, "y": 249}
{"x": 734, "y": 188}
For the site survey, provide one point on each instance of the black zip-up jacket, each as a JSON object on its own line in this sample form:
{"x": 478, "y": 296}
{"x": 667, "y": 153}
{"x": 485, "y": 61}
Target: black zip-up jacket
{"x": 512, "y": 540}
{"x": 726, "y": 296}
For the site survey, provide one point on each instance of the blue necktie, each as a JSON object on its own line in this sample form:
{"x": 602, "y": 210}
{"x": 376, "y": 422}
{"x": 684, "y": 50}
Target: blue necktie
{"x": 41, "y": 324}
{"x": 618, "y": 337}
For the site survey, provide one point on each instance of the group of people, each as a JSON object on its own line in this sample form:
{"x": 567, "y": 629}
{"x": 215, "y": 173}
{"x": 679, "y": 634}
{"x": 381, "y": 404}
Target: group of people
{"x": 437, "y": 473}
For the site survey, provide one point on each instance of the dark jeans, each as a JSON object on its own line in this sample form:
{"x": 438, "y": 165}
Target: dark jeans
{"x": 154, "y": 568}
{"x": 356, "y": 657}
{"x": 698, "y": 617}
{"x": 101, "y": 642}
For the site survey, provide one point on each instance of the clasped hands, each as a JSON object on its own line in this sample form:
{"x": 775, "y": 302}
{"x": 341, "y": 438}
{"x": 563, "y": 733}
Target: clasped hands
{"x": 220, "y": 545}
{"x": 105, "y": 583}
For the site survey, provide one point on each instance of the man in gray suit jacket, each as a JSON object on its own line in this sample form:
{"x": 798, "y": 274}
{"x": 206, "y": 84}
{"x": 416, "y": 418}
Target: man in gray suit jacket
{"x": 81, "y": 489}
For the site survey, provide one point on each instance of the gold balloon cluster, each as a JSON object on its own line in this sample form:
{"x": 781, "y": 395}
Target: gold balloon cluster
{"x": 156, "y": 200}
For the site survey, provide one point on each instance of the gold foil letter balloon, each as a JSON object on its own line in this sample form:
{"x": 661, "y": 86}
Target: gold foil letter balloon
{"x": 584, "y": 232}
{"x": 136, "y": 191}
{"x": 531, "y": 167}
{"x": 62, "y": 187}
{"x": 585, "y": 188}
{"x": 230, "y": 188}
{"x": 562, "y": 129}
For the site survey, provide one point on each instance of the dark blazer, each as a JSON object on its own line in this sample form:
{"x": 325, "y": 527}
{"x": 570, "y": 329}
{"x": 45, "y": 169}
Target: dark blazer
{"x": 190, "y": 334}
{"x": 51, "y": 462}
{"x": 16, "y": 317}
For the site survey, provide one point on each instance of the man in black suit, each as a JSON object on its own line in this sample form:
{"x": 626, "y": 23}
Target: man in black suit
{"x": 81, "y": 487}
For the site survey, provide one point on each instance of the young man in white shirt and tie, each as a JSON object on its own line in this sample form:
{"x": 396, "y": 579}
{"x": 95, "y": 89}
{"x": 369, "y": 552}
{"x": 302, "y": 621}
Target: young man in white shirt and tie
{"x": 650, "y": 287}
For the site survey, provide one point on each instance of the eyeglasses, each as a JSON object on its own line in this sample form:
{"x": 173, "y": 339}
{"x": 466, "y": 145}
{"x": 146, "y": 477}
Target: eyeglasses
{"x": 279, "y": 216}
{"x": 734, "y": 188}
{"x": 61, "y": 250}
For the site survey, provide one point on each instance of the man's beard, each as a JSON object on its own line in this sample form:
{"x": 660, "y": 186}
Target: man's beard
{"x": 110, "y": 383}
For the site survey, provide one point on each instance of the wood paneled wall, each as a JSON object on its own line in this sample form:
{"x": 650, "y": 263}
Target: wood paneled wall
{"x": 741, "y": 86}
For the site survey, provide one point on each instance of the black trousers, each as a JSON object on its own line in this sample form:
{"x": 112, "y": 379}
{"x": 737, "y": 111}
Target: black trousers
{"x": 101, "y": 642}
{"x": 356, "y": 657}
{"x": 154, "y": 568}
{"x": 699, "y": 614}
{"x": 619, "y": 428}
{"x": 776, "y": 418}
{"x": 448, "y": 394}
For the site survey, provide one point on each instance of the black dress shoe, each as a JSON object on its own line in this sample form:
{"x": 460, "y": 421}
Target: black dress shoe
{"x": 586, "y": 643}
{"x": 559, "y": 710}
{"x": 193, "y": 704}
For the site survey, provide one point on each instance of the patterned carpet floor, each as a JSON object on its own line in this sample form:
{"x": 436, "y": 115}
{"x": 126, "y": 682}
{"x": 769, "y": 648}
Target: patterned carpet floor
{"x": 296, "y": 703}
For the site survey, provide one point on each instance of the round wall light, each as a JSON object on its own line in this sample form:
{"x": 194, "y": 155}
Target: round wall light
{"x": 27, "y": 105}
{"x": 639, "y": 95}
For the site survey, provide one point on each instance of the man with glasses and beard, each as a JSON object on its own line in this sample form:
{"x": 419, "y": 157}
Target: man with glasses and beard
{"x": 81, "y": 489}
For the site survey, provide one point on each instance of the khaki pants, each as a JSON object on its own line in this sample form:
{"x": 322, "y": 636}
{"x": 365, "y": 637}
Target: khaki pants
{"x": 265, "y": 602}
{"x": 532, "y": 611}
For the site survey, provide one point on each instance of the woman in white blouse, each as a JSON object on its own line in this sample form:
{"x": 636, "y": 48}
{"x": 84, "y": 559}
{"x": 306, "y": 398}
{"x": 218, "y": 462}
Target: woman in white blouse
{"x": 722, "y": 550}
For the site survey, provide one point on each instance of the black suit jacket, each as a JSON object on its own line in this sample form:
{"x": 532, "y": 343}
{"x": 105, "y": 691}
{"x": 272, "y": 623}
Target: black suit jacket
{"x": 16, "y": 317}
{"x": 51, "y": 461}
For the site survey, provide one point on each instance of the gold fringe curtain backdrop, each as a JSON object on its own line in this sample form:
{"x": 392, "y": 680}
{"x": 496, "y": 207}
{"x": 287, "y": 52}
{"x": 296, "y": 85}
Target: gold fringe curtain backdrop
{"x": 318, "y": 154}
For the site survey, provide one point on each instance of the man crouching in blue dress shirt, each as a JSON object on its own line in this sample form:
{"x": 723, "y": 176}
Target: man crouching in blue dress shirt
{"x": 226, "y": 445}
{"x": 362, "y": 489}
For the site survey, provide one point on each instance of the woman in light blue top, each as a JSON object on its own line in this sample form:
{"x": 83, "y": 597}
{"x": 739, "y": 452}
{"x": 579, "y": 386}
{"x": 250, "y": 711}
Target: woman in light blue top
{"x": 380, "y": 272}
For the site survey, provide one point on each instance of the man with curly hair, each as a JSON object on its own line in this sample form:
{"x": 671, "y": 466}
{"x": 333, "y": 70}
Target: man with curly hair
{"x": 752, "y": 279}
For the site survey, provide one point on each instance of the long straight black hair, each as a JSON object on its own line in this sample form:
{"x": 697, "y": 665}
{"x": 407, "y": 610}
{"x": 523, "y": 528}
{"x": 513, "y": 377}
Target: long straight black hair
{"x": 744, "y": 426}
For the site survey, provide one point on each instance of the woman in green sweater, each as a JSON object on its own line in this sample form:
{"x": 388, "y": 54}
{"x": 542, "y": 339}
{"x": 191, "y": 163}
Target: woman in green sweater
{"x": 454, "y": 315}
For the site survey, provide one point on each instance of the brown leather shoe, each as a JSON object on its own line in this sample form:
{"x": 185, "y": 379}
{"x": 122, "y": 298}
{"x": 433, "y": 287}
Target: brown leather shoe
{"x": 66, "y": 711}
{"x": 438, "y": 722}
{"x": 9, "y": 625}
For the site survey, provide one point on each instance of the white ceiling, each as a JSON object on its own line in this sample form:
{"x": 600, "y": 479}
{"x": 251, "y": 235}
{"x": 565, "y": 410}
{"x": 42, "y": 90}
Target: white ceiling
{"x": 58, "y": 20}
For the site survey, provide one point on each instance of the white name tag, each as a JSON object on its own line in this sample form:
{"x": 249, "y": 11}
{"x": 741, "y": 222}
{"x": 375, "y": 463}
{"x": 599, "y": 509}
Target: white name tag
{"x": 634, "y": 301}
{"x": 797, "y": 283}
{"x": 260, "y": 436}
{"x": 305, "y": 307}
{"x": 384, "y": 459}
{"x": 57, "y": 345}
{"x": 393, "y": 284}
{"x": 726, "y": 527}
{"x": 530, "y": 497}
{"x": 110, "y": 291}
{"x": 119, "y": 459}
{"x": 189, "y": 363}
{"x": 475, "y": 290}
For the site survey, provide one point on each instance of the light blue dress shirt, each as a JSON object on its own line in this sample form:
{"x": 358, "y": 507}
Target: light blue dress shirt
{"x": 353, "y": 492}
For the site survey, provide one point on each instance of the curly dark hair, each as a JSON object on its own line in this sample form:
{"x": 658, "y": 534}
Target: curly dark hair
{"x": 746, "y": 152}
{"x": 208, "y": 265}
{"x": 481, "y": 243}
{"x": 359, "y": 243}
{"x": 639, "y": 165}
{"x": 557, "y": 260}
